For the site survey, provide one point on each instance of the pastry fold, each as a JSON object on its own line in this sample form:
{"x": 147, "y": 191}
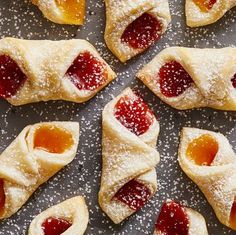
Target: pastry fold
{"x": 121, "y": 13}
{"x": 29, "y": 161}
{"x": 47, "y": 66}
{"x": 126, "y": 157}
{"x": 196, "y": 16}
{"x": 216, "y": 180}
{"x": 177, "y": 218}
{"x": 212, "y": 75}
{"x": 73, "y": 210}
{"x": 62, "y": 11}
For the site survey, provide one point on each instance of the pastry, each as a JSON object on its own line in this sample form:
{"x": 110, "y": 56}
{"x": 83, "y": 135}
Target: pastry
{"x": 69, "y": 217}
{"x": 62, "y": 11}
{"x": 33, "y": 71}
{"x": 177, "y": 219}
{"x": 134, "y": 25}
{"x": 204, "y": 12}
{"x": 130, "y": 132}
{"x": 188, "y": 78}
{"x": 209, "y": 160}
{"x": 36, "y": 154}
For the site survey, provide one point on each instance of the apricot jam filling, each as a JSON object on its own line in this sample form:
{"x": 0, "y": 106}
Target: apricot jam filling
{"x": 134, "y": 194}
{"x": 203, "y": 150}
{"x": 11, "y": 77}
{"x": 134, "y": 114}
{"x": 72, "y": 10}
{"x": 173, "y": 79}
{"x": 205, "y": 5}
{"x": 52, "y": 139}
{"x": 87, "y": 72}
{"x": 2, "y": 195}
{"x": 233, "y": 80}
{"x": 173, "y": 220}
{"x": 232, "y": 219}
{"x": 55, "y": 226}
{"x": 142, "y": 32}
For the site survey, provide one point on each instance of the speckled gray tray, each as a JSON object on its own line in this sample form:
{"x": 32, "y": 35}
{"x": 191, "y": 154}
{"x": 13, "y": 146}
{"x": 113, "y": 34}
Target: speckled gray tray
{"x": 21, "y": 19}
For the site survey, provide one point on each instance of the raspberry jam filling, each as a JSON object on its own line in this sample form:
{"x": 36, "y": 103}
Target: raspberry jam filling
{"x": 87, "y": 72}
{"x": 232, "y": 219}
{"x": 202, "y": 151}
{"x": 55, "y": 226}
{"x": 134, "y": 114}
{"x": 52, "y": 139}
{"x": 233, "y": 80}
{"x": 173, "y": 219}
{"x": 173, "y": 79}
{"x": 11, "y": 77}
{"x": 2, "y": 195}
{"x": 72, "y": 10}
{"x": 134, "y": 194}
{"x": 142, "y": 32}
{"x": 205, "y": 5}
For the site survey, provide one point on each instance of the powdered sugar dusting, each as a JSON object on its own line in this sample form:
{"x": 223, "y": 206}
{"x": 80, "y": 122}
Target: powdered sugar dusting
{"x": 21, "y": 19}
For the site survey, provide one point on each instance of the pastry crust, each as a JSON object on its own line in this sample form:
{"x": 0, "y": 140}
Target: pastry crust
{"x": 216, "y": 181}
{"x": 125, "y": 157}
{"x": 24, "y": 168}
{"x": 197, "y": 223}
{"x": 196, "y": 17}
{"x": 211, "y": 71}
{"x": 45, "y": 64}
{"x": 121, "y": 13}
{"x": 52, "y": 11}
{"x": 73, "y": 209}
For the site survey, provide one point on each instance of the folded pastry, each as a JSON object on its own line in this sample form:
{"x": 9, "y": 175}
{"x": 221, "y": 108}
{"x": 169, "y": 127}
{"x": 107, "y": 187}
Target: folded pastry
{"x": 63, "y": 11}
{"x": 36, "y": 154}
{"x": 69, "y": 217}
{"x": 134, "y": 25}
{"x": 188, "y": 78}
{"x": 177, "y": 219}
{"x": 130, "y": 132}
{"x": 204, "y": 12}
{"x": 209, "y": 160}
{"x": 32, "y": 71}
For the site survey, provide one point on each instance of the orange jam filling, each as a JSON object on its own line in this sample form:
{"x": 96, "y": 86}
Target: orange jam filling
{"x": 2, "y": 195}
{"x": 52, "y": 139}
{"x": 205, "y": 5}
{"x": 72, "y": 10}
{"x": 203, "y": 150}
{"x": 233, "y": 215}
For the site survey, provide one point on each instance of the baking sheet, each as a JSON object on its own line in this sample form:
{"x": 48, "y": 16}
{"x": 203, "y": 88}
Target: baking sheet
{"x": 19, "y": 18}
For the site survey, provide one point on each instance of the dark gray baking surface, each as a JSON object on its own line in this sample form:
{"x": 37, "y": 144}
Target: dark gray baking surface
{"x": 21, "y": 19}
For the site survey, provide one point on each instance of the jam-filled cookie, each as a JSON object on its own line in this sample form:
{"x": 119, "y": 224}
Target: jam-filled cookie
{"x": 188, "y": 78}
{"x": 33, "y": 71}
{"x": 209, "y": 160}
{"x": 36, "y": 154}
{"x": 134, "y": 25}
{"x": 130, "y": 131}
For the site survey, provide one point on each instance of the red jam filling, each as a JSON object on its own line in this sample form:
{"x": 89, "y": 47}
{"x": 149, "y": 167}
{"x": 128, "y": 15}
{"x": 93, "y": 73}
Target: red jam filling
{"x": 52, "y": 139}
{"x": 142, "y": 32}
{"x": 55, "y": 226}
{"x": 233, "y": 216}
{"x": 205, "y": 5}
{"x": 134, "y": 114}
{"x": 173, "y": 220}
{"x": 87, "y": 72}
{"x": 202, "y": 151}
{"x": 134, "y": 194}
{"x": 234, "y": 81}
{"x": 174, "y": 80}
{"x": 2, "y": 195}
{"x": 11, "y": 77}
